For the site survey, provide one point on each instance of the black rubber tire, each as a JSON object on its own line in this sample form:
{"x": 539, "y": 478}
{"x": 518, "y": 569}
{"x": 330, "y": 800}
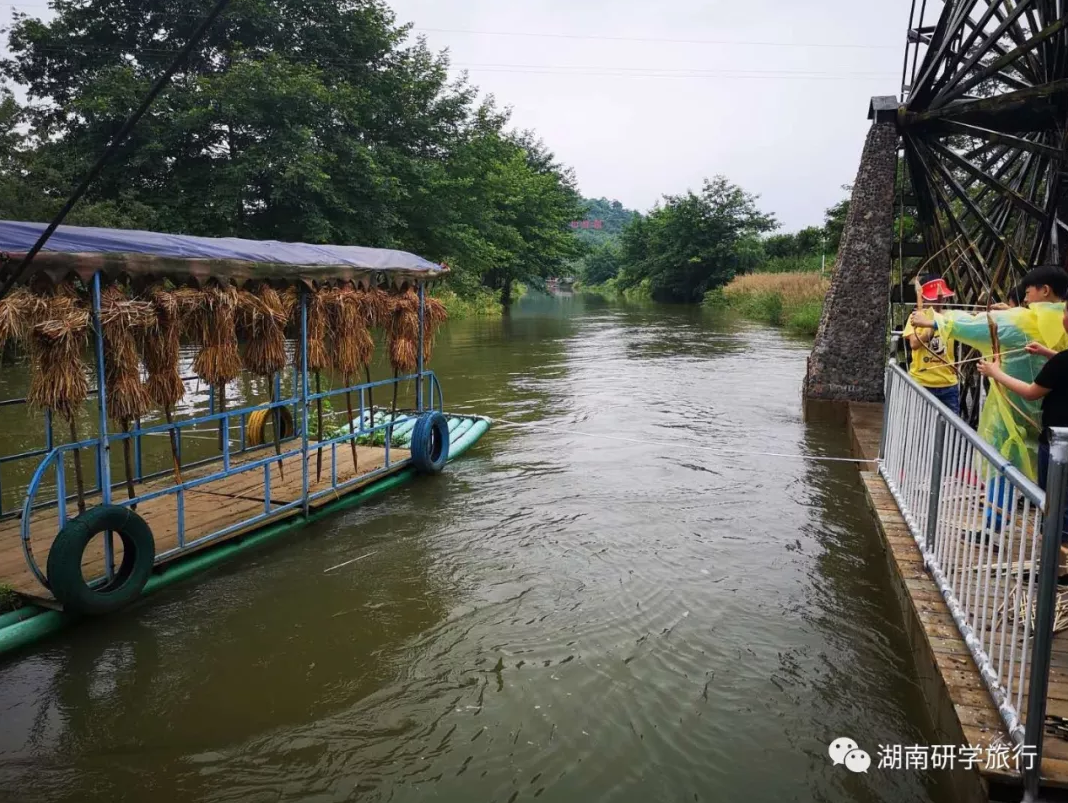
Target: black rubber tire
{"x": 65, "y": 561}
{"x": 430, "y": 443}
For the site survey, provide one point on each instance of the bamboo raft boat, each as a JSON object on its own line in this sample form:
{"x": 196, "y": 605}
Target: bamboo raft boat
{"x": 103, "y": 316}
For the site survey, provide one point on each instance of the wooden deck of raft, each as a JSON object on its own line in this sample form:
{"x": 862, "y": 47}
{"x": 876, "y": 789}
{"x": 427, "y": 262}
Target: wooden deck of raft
{"x": 209, "y": 508}
{"x": 958, "y": 700}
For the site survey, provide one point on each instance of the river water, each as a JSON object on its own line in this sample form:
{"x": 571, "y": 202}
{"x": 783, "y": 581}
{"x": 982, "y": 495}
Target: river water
{"x": 594, "y": 604}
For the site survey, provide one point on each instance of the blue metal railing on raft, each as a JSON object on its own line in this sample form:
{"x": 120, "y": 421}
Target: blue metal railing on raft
{"x": 427, "y": 389}
{"x": 363, "y": 428}
{"x": 990, "y": 540}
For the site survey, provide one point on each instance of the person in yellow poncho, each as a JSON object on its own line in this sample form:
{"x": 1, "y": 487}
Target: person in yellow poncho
{"x": 1027, "y": 336}
{"x": 933, "y": 358}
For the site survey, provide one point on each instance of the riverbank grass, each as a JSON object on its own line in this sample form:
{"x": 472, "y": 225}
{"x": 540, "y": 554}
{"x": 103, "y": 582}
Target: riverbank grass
{"x": 791, "y": 300}
{"x": 483, "y": 303}
{"x": 9, "y": 600}
{"x": 612, "y": 291}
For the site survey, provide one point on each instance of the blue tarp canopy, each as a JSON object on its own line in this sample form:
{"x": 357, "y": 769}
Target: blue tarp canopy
{"x": 86, "y": 250}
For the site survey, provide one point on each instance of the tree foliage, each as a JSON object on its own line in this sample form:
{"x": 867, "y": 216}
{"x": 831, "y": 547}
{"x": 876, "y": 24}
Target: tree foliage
{"x": 693, "y": 243}
{"x": 313, "y": 120}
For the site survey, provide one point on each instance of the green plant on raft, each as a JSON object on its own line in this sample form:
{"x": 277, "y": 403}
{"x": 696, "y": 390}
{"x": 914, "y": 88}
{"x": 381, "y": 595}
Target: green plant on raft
{"x": 9, "y": 599}
{"x": 328, "y": 411}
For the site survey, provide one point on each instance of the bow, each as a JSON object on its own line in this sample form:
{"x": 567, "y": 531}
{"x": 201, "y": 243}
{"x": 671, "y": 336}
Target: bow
{"x": 995, "y": 347}
{"x": 919, "y": 308}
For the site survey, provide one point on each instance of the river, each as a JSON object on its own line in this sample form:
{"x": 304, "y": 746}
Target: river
{"x": 594, "y": 604}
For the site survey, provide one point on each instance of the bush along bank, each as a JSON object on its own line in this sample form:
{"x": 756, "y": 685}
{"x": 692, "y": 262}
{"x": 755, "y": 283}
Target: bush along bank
{"x": 791, "y": 300}
{"x": 611, "y": 290}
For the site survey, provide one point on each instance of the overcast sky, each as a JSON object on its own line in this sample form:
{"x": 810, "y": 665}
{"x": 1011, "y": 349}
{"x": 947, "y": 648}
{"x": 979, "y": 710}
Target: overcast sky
{"x": 643, "y": 101}
{"x": 633, "y": 129}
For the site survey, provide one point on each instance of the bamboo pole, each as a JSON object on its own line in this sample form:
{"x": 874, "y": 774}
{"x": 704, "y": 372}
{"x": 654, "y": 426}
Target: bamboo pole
{"x": 78, "y": 478}
{"x": 277, "y": 416}
{"x": 127, "y": 461}
{"x": 352, "y": 443}
{"x": 370, "y": 394}
{"x": 393, "y": 409}
{"x": 173, "y": 433}
{"x": 222, "y": 421}
{"x": 319, "y": 428}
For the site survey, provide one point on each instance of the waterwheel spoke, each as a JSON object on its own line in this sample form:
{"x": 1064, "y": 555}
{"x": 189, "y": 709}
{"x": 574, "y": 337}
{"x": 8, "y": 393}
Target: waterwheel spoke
{"x": 954, "y": 89}
{"x": 968, "y": 203}
{"x": 992, "y": 138}
{"x": 993, "y": 183}
{"x": 951, "y": 79}
{"x": 950, "y": 25}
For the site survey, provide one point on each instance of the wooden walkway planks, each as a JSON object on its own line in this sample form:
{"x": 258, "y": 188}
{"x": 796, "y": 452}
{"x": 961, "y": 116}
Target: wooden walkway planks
{"x": 209, "y": 508}
{"x": 942, "y": 656}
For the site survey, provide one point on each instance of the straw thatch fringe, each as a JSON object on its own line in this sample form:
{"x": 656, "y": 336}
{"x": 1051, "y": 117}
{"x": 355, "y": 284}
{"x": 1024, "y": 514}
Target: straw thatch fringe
{"x": 123, "y": 321}
{"x": 262, "y": 316}
{"x": 20, "y": 310}
{"x": 403, "y": 330}
{"x": 160, "y": 344}
{"x": 212, "y": 325}
{"x": 57, "y": 343}
{"x": 351, "y": 344}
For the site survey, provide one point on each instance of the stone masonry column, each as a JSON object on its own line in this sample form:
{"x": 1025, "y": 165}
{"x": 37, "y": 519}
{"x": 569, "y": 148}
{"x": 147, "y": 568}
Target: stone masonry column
{"x": 848, "y": 360}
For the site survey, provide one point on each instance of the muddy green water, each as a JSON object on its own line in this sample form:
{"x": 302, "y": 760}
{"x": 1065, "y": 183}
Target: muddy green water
{"x": 566, "y": 614}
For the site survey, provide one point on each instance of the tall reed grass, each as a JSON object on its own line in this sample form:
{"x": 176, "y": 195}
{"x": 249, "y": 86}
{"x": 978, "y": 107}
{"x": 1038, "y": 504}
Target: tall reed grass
{"x": 793, "y": 300}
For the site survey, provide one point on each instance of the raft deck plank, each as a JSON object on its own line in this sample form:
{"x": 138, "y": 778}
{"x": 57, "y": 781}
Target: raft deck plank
{"x": 209, "y": 508}
{"x": 976, "y": 719}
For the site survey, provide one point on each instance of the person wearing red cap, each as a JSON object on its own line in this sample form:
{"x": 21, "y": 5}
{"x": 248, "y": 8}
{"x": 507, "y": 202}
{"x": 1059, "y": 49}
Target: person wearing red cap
{"x": 932, "y": 363}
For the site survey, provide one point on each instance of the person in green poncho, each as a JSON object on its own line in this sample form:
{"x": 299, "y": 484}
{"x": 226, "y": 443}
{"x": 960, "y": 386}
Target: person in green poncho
{"x": 1027, "y": 336}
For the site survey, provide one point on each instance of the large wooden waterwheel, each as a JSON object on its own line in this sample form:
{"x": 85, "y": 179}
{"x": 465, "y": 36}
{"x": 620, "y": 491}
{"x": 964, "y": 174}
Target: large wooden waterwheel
{"x": 979, "y": 140}
{"x": 984, "y": 126}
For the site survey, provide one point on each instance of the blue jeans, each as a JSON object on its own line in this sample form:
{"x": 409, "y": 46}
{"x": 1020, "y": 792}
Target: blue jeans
{"x": 950, "y": 397}
{"x": 1043, "y": 475}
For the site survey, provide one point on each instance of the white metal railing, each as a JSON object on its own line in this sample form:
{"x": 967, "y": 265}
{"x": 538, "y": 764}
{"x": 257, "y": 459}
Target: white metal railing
{"x": 980, "y": 526}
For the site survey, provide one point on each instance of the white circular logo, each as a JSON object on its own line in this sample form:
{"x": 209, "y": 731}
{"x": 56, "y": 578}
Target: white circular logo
{"x": 840, "y": 748}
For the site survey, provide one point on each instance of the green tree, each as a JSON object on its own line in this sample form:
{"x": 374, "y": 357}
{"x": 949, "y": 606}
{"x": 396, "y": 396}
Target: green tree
{"x": 689, "y": 245}
{"x": 834, "y": 222}
{"x": 601, "y": 264}
{"x": 310, "y": 120}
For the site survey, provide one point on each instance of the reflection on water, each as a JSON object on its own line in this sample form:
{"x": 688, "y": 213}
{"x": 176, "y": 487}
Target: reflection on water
{"x": 568, "y": 613}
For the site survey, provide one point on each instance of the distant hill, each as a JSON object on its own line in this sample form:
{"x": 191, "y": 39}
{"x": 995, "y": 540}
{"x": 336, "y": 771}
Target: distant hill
{"x": 613, "y": 217}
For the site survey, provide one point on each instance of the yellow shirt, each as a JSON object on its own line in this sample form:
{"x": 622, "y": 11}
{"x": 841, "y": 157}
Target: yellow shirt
{"x": 929, "y": 362}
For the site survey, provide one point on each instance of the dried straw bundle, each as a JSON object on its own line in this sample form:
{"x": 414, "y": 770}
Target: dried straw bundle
{"x": 403, "y": 331}
{"x": 161, "y": 348}
{"x": 375, "y": 306}
{"x": 318, "y": 359}
{"x": 212, "y": 324}
{"x": 262, "y": 316}
{"x": 19, "y": 311}
{"x": 435, "y": 316}
{"x": 57, "y": 344}
{"x": 160, "y": 345}
{"x": 124, "y": 322}
{"x": 351, "y": 344}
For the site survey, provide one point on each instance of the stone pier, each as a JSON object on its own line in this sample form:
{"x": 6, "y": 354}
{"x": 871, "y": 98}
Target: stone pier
{"x": 849, "y": 357}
